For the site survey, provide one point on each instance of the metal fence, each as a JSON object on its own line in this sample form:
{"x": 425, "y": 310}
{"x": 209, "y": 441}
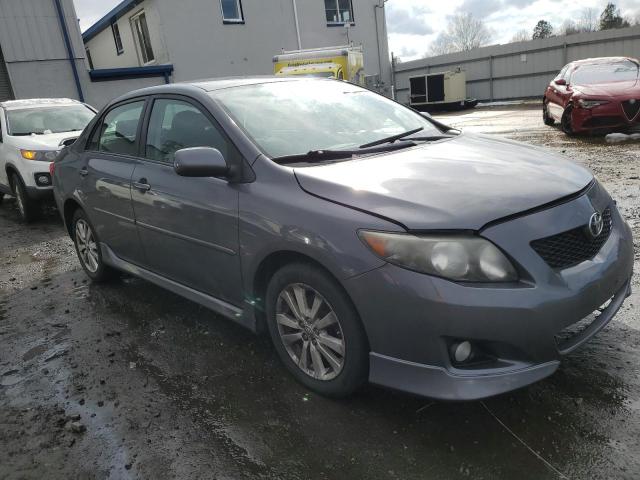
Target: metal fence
{"x": 522, "y": 69}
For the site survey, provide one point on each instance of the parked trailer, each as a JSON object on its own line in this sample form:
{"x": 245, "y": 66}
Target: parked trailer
{"x": 341, "y": 63}
{"x": 440, "y": 91}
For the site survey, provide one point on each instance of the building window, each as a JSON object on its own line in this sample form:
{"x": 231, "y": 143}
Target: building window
{"x": 116, "y": 38}
{"x": 89, "y": 59}
{"x": 232, "y": 11}
{"x": 338, "y": 12}
{"x": 141, "y": 33}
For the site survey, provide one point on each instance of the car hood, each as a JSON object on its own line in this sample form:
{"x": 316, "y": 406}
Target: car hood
{"x": 49, "y": 141}
{"x": 629, "y": 89}
{"x": 463, "y": 183}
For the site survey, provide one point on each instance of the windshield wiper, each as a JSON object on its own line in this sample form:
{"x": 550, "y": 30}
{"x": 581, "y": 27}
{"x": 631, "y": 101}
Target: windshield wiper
{"x": 317, "y": 156}
{"x": 392, "y": 138}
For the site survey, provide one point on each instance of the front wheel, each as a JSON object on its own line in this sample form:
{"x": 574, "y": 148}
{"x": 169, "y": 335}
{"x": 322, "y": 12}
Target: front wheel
{"x": 27, "y": 207}
{"x": 316, "y": 330}
{"x": 567, "y": 120}
{"x": 88, "y": 248}
{"x": 546, "y": 117}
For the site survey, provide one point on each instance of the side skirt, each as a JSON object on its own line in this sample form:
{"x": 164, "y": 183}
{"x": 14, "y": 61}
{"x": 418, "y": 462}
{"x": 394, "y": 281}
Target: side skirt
{"x": 238, "y": 315}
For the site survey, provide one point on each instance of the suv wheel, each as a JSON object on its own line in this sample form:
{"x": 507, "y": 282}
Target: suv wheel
{"x": 316, "y": 330}
{"x": 27, "y": 207}
{"x": 88, "y": 248}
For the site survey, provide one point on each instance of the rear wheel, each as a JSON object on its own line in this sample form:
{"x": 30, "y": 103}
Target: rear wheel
{"x": 567, "y": 120}
{"x": 546, "y": 117}
{"x": 88, "y": 248}
{"x": 27, "y": 207}
{"x": 316, "y": 330}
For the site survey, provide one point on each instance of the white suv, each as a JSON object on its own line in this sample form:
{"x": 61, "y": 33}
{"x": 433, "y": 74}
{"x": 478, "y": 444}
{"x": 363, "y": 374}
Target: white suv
{"x": 32, "y": 133}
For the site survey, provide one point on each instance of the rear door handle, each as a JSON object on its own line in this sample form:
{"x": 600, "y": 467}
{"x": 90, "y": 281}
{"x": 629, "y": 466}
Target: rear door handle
{"x": 83, "y": 172}
{"x": 142, "y": 185}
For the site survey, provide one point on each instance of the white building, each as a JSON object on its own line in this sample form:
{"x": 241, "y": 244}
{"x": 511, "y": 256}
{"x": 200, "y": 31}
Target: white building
{"x": 213, "y": 38}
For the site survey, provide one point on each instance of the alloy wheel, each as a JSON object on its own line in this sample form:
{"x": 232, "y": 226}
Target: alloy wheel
{"x": 20, "y": 204}
{"x": 87, "y": 246}
{"x": 310, "y": 331}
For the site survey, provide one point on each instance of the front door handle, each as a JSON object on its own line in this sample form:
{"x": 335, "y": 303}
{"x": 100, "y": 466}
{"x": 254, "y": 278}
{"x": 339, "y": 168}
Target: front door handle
{"x": 83, "y": 172}
{"x": 142, "y": 185}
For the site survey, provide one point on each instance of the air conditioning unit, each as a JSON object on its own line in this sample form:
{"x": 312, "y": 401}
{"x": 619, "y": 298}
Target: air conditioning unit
{"x": 440, "y": 91}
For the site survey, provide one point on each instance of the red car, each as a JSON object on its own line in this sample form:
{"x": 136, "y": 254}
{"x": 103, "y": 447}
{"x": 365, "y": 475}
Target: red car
{"x": 596, "y": 94}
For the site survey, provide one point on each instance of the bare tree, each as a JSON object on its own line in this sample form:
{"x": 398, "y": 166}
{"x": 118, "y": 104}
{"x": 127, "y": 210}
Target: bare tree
{"x": 589, "y": 21}
{"x": 569, "y": 27}
{"x": 521, "y": 36}
{"x": 463, "y": 33}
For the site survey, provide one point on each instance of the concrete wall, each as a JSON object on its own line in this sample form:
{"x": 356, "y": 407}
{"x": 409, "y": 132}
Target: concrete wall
{"x": 103, "y": 47}
{"x": 200, "y": 45}
{"x": 523, "y": 69}
{"x": 37, "y": 60}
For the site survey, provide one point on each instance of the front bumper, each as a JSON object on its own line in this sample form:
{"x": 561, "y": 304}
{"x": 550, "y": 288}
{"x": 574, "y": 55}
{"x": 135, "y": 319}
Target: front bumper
{"x": 605, "y": 117}
{"x": 412, "y": 319}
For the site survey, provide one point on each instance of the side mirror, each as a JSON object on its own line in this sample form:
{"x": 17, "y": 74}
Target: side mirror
{"x": 561, "y": 81}
{"x": 200, "y": 162}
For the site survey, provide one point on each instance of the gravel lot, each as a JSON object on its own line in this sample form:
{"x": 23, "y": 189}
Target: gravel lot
{"x": 125, "y": 380}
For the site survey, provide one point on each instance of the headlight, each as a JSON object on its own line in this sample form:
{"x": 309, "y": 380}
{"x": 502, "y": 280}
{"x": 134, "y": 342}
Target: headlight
{"x": 458, "y": 258}
{"x": 591, "y": 103}
{"x": 40, "y": 155}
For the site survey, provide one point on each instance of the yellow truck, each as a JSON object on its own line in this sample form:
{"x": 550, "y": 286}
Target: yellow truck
{"x": 341, "y": 63}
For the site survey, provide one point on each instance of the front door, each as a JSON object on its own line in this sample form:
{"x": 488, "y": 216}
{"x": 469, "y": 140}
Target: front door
{"x": 105, "y": 187}
{"x": 188, "y": 227}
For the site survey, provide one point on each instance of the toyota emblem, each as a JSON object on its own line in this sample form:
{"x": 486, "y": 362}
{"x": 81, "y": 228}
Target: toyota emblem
{"x": 596, "y": 224}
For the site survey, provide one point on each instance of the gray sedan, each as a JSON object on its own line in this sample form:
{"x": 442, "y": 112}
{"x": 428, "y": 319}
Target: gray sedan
{"x": 371, "y": 242}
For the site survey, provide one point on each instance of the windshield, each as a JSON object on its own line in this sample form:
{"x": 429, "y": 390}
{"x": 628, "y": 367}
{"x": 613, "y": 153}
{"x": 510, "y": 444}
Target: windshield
{"x": 293, "y": 118}
{"x": 50, "y": 119}
{"x": 607, "y": 72}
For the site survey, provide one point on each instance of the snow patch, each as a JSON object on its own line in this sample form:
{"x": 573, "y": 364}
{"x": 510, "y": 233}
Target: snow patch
{"x": 500, "y": 104}
{"x": 621, "y": 137}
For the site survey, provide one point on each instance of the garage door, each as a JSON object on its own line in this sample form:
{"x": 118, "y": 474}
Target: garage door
{"x": 5, "y": 86}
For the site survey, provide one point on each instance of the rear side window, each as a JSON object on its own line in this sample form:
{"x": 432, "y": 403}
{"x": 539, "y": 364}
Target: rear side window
{"x": 175, "y": 124}
{"x": 118, "y": 131}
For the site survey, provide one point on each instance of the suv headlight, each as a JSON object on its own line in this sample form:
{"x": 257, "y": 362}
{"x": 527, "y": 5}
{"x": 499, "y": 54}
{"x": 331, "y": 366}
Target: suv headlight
{"x": 459, "y": 258}
{"x": 39, "y": 155}
{"x": 591, "y": 103}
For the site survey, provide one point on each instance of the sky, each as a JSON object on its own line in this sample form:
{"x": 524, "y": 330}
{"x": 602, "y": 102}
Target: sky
{"x": 413, "y": 24}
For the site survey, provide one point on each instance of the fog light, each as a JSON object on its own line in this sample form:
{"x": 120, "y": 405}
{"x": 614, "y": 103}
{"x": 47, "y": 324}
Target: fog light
{"x": 462, "y": 351}
{"x": 43, "y": 179}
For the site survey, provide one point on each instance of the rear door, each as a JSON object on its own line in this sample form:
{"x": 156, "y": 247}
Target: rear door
{"x": 105, "y": 178}
{"x": 188, "y": 226}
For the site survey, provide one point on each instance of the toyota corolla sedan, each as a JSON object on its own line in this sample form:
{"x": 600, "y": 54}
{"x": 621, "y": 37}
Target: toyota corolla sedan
{"x": 372, "y": 243}
{"x": 594, "y": 95}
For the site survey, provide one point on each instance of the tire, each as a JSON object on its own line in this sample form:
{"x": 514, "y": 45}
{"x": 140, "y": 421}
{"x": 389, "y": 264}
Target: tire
{"x": 88, "y": 248}
{"x": 546, "y": 118}
{"x": 343, "y": 328}
{"x": 27, "y": 207}
{"x": 1, "y": 197}
{"x": 567, "y": 122}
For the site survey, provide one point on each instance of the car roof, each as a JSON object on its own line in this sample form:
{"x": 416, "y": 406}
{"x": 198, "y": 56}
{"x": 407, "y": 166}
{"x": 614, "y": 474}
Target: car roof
{"x": 602, "y": 61}
{"x": 37, "y": 102}
{"x": 210, "y": 85}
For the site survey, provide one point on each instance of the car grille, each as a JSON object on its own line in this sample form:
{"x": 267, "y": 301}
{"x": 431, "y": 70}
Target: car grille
{"x": 568, "y": 337}
{"x": 631, "y": 108}
{"x": 575, "y": 246}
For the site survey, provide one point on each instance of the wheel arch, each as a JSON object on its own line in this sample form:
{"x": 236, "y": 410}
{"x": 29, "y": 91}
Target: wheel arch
{"x": 11, "y": 170}
{"x": 69, "y": 208}
{"x": 273, "y": 262}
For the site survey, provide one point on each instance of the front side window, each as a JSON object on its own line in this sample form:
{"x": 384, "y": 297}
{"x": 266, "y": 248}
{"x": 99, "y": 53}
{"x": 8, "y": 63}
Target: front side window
{"x": 116, "y": 38}
{"x": 338, "y": 11}
{"x": 118, "y": 131}
{"x": 298, "y": 116}
{"x": 232, "y": 11}
{"x": 46, "y": 120}
{"x": 606, "y": 72}
{"x": 174, "y": 125}
{"x": 141, "y": 33}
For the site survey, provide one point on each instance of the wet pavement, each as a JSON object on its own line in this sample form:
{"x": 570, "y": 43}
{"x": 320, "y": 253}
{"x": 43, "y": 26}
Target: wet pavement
{"x": 125, "y": 380}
